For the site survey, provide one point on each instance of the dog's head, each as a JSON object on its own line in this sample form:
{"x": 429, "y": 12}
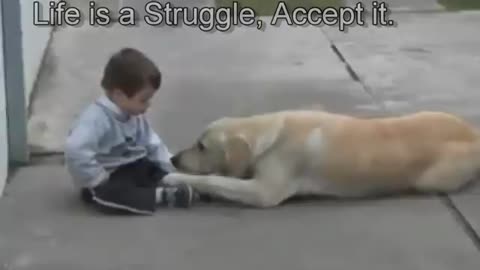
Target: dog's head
{"x": 229, "y": 147}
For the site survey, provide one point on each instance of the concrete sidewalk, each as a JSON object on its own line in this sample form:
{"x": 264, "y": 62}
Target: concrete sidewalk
{"x": 429, "y": 61}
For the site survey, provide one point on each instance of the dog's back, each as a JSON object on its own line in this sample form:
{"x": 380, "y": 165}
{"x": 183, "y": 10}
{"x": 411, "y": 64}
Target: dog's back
{"x": 376, "y": 154}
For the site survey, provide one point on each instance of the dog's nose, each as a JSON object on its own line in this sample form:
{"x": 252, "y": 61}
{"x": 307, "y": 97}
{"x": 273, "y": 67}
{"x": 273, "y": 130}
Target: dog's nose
{"x": 174, "y": 160}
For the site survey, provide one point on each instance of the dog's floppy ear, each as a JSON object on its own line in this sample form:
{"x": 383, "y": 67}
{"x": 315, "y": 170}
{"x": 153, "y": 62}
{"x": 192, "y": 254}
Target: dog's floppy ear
{"x": 238, "y": 154}
{"x": 242, "y": 150}
{"x": 267, "y": 138}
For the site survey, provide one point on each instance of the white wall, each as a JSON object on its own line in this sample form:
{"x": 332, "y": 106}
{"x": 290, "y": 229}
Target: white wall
{"x": 35, "y": 41}
{"x": 3, "y": 118}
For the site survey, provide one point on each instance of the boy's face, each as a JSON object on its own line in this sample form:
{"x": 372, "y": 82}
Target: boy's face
{"x": 135, "y": 105}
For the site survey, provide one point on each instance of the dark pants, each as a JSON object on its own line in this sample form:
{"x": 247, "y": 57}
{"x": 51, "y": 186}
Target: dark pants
{"x": 131, "y": 188}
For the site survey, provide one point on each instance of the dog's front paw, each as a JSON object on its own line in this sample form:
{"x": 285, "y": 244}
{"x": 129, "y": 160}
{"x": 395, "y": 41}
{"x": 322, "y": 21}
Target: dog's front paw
{"x": 175, "y": 178}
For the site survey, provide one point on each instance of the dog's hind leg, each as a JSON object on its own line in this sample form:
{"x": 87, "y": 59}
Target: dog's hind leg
{"x": 253, "y": 192}
{"x": 453, "y": 171}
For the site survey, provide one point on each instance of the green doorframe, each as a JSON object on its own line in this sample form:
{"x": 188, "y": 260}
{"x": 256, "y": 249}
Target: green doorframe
{"x": 14, "y": 83}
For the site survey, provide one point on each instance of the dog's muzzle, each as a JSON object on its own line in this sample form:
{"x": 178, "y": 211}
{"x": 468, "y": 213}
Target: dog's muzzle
{"x": 175, "y": 160}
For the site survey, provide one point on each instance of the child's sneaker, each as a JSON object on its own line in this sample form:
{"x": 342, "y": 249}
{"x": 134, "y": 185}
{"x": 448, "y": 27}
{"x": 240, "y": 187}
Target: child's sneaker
{"x": 182, "y": 196}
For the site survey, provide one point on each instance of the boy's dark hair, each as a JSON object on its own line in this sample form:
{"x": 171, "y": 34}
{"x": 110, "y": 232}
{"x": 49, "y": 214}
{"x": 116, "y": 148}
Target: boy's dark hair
{"x": 129, "y": 70}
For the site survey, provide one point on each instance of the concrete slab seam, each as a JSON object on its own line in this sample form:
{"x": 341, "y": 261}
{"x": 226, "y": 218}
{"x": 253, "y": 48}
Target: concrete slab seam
{"x": 462, "y": 219}
{"x": 354, "y": 75}
{"x": 47, "y": 158}
{"x": 46, "y": 54}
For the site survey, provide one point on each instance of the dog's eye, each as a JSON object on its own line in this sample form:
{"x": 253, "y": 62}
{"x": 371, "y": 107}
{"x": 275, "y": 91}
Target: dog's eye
{"x": 200, "y": 146}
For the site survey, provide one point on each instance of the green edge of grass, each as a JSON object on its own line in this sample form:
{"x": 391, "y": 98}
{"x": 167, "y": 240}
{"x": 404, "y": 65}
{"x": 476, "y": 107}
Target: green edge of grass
{"x": 460, "y": 4}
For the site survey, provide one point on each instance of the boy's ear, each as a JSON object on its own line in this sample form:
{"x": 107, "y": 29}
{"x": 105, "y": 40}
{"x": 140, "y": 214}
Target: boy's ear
{"x": 237, "y": 156}
{"x": 117, "y": 93}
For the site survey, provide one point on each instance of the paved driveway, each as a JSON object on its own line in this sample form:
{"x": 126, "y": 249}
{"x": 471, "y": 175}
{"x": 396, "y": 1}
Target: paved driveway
{"x": 427, "y": 61}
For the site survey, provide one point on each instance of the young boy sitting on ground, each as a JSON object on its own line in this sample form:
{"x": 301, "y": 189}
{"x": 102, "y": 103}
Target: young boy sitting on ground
{"x": 112, "y": 153}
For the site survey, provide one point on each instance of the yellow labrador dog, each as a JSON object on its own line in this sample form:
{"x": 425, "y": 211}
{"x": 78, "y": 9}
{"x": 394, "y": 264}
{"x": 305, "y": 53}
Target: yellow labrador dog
{"x": 264, "y": 159}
